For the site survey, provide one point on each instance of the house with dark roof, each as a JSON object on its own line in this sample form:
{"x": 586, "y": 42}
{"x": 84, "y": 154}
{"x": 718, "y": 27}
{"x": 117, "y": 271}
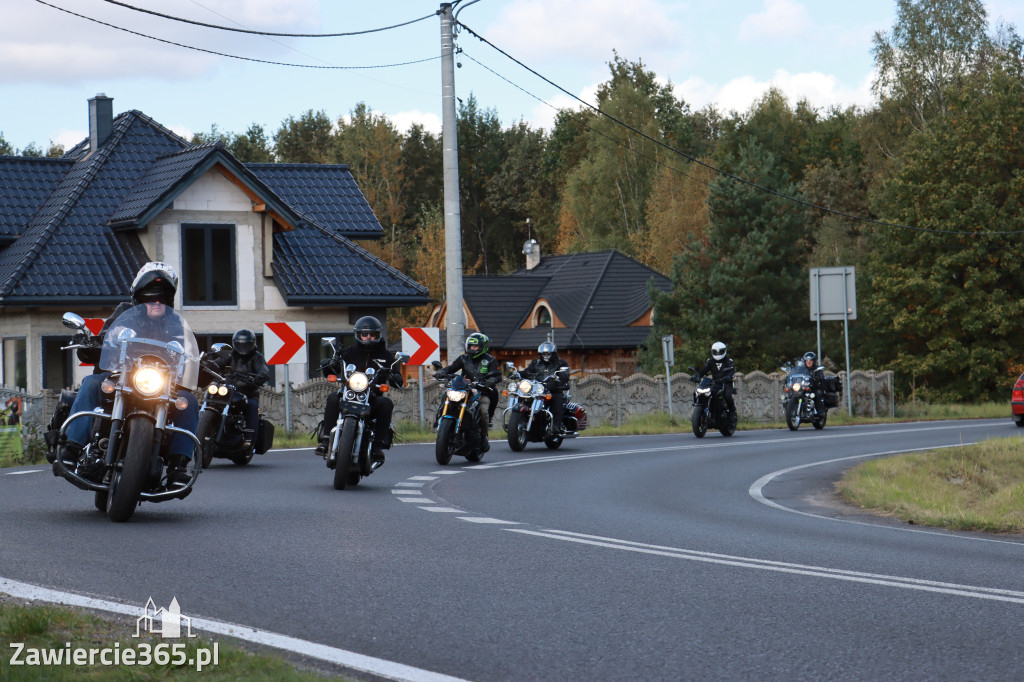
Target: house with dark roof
{"x": 251, "y": 243}
{"x": 594, "y": 306}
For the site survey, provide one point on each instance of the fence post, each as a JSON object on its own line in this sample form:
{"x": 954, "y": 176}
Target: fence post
{"x": 617, "y": 382}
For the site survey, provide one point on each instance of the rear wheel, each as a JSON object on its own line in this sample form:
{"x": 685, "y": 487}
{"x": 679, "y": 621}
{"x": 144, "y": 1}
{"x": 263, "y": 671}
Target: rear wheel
{"x": 206, "y": 433}
{"x": 792, "y": 415}
{"x": 444, "y": 445}
{"x": 731, "y": 418}
{"x": 699, "y": 421}
{"x": 553, "y": 442}
{"x": 517, "y": 437}
{"x": 819, "y": 421}
{"x": 343, "y": 456}
{"x": 128, "y": 482}
{"x": 243, "y": 458}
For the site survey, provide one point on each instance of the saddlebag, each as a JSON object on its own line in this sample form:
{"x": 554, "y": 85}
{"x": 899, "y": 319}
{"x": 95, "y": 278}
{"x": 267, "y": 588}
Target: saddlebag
{"x": 264, "y": 437}
{"x": 830, "y": 399}
{"x": 575, "y": 411}
{"x": 62, "y": 412}
{"x": 832, "y": 385}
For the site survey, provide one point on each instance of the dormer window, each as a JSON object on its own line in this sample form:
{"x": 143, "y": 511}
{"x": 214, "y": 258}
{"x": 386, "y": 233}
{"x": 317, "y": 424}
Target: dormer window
{"x": 542, "y": 317}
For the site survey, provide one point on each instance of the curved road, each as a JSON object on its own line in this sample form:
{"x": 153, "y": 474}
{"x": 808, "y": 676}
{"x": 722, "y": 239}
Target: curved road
{"x": 654, "y": 557}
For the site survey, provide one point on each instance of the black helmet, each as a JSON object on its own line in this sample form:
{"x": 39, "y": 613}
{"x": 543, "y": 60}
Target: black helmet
{"x": 718, "y": 350}
{"x": 809, "y": 356}
{"x": 368, "y": 325}
{"x": 546, "y": 350}
{"x": 244, "y": 342}
{"x": 481, "y": 341}
{"x": 155, "y": 282}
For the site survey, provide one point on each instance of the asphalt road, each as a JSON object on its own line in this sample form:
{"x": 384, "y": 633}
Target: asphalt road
{"x": 654, "y": 558}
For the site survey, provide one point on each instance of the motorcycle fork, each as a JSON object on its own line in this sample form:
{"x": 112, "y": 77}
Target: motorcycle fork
{"x": 116, "y": 424}
{"x": 357, "y": 443}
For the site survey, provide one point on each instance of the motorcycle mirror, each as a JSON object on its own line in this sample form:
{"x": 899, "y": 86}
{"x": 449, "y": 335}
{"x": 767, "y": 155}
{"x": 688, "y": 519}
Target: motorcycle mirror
{"x": 72, "y": 321}
{"x": 436, "y": 364}
{"x": 402, "y": 358}
{"x": 218, "y": 347}
{"x": 510, "y": 365}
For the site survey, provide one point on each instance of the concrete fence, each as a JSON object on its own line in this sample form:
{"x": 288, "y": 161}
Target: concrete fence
{"x": 607, "y": 401}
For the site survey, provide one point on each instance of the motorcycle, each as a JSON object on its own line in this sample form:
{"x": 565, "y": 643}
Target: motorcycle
{"x": 798, "y": 399}
{"x": 528, "y": 417}
{"x": 710, "y": 410}
{"x": 222, "y": 425}
{"x": 351, "y": 437}
{"x": 458, "y": 420}
{"x": 123, "y": 462}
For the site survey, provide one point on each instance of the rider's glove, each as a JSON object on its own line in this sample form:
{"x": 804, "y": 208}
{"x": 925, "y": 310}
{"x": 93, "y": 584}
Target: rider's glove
{"x": 440, "y": 375}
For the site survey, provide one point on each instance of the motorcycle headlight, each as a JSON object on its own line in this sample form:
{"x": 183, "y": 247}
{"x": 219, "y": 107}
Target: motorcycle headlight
{"x": 212, "y": 389}
{"x": 358, "y": 381}
{"x": 538, "y": 389}
{"x": 223, "y": 390}
{"x": 525, "y": 386}
{"x": 704, "y": 391}
{"x": 149, "y": 381}
{"x": 456, "y": 396}
{"x": 512, "y": 386}
{"x": 796, "y": 386}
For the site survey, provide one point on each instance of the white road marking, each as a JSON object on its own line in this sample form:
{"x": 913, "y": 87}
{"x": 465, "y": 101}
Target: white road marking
{"x": 444, "y": 509}
{"x": 975, "y": 592}
{"x": 446, "y": 472}
{"x": 756, "y": 491}
{"x": 349, "y": 659}
{"x": 18, "y": 473}
{"x": 416, "y": 484}
{"x": 422, "y": 478}
{"x": 418, "y": 500}
{"x": 484, "y": 519}
{"x": 406, "y": 491}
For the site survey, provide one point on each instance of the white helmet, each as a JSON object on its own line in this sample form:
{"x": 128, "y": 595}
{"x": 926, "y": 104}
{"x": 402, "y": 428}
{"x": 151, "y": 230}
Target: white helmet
{"x": 718, "y": 350}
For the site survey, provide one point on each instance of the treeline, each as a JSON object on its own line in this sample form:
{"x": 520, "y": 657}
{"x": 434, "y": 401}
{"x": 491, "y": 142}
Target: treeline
{"x": 923, "y": 192}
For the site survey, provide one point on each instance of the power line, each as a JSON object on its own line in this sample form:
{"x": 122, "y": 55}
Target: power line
{"x": 265, "y": 33}
{"x": 232, "y": 56}
{"x": 724, "y": 173}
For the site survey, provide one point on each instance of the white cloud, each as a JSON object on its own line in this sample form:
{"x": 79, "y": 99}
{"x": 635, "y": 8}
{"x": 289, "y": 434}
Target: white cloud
{"x": 404, "y": 119}
{"x": 69, "y": 138}
{"x": 780, "y": 19}
{"x": 584, "y": 30}
{"x": 819, "y": 89}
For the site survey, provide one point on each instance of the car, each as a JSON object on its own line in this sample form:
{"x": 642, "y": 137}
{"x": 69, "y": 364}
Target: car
{"x": 1017, "y": 402}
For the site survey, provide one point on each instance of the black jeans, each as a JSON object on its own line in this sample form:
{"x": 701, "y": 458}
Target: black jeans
{"x": 381, "y": 409}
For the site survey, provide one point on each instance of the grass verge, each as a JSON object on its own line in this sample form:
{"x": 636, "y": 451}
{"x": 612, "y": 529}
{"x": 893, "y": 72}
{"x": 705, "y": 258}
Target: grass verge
{"x": 62, "y": 631}
{"x": 975, "y": 487}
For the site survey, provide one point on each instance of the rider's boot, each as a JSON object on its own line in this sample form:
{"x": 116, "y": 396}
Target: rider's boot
{"x": 377, "y": 454}
{"x": 177, "y": 470}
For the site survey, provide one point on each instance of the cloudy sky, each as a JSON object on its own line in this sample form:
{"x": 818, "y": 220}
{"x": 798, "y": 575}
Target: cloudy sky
{"x": 721, "y": 53}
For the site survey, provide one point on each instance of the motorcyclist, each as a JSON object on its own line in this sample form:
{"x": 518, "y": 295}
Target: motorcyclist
{"x": 478, "y": 365}
{"x": 246, "y": 369}
{"x": 810, "y": 361}
{"x": 722, "y": 369}
{"x": 154, "y": 286}
{"x": 545, "y": 366}
{"x": 368, "y": 351}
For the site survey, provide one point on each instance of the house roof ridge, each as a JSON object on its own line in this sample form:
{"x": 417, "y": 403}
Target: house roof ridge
{"x": 305, "y": 164}
{"x": 95, "y": 162}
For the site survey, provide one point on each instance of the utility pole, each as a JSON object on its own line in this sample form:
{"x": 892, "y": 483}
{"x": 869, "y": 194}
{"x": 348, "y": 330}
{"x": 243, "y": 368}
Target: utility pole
{"x": 456, "y": 327}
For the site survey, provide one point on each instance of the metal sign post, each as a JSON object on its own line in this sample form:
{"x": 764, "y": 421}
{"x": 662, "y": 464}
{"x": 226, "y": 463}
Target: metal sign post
{"x": 834, "y": 297}
{"x": 669, "y": 354}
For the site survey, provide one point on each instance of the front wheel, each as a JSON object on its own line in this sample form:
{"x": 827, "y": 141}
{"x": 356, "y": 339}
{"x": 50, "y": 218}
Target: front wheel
{"x": 553, "y": 442}
{"x": 517, "y": 437}
{"x": 243, "y": 458}
{"x": 207, "y": 433}
{"x": 444, "y": 445}
{"x": 343, "y": 456}
{"x": 699, "y": 421}
{"x": 792, "y": 415}
{"x": 128, "y": 481}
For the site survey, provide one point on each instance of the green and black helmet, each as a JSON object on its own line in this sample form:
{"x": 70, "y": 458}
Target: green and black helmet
{"x": 477, "y": 344}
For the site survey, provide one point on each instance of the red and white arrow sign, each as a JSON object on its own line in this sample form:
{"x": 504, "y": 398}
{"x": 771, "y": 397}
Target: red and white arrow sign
{"x": 423, "y": 344}
{"x": 284, "y": 342}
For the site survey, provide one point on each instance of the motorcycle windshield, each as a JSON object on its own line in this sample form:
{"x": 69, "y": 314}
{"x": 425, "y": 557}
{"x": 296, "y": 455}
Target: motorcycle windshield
{"x": 459, "y": 383}
{"x": 165, "y": 336}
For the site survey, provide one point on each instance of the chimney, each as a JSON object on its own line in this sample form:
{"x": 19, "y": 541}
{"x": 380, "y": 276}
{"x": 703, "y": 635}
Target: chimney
{"x": 101, "y": 120}
{"x": 532, "y": 251}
